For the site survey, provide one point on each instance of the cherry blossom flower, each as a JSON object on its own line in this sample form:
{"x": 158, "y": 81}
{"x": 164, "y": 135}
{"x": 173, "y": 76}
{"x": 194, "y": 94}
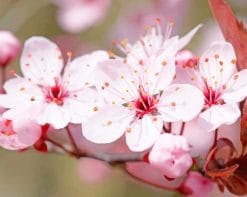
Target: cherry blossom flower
{"x": 222, "y": 85}
{"x": 171, "y": 155}
{"x": 138, "y": 93}
{"x": 78, "y": 15}
{"x": 18, "y": 134}
{"x": 44, "y": 94}
{"x": 10, "y": 47}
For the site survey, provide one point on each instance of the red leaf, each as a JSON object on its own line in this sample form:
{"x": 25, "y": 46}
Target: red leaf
{"x": 225, "y": 172}
{"x": 237, "y": 185}
{"x": 233, "y": 30}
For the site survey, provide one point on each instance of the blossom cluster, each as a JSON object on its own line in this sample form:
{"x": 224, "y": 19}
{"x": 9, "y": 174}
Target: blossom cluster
{"x": 155, "y": 84}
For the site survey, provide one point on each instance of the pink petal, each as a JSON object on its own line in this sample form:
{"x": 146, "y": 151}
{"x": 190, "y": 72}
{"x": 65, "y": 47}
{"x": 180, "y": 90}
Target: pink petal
{"x": 200, "y": 140}
{"x": 170, "y": 154}
{"x": 10, "y": 47}
{"x": 151, "y": 175}
{"x": 27, "y": 131}
{"x": 41, "y": 61}
{"x": 198, "y": 184}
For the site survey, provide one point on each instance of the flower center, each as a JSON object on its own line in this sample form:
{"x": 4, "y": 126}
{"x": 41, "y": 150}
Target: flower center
{"x": 145, "y": 104}
{"x": 212, "y": 97}
{"x": 6, "y": 128}
{"x": 56, "y": 94}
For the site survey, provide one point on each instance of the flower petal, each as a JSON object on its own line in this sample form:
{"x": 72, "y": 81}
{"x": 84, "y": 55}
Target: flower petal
{"x": 148, "y": 174}
{"x": 20, "y": 93}
{"x": 186, "y": 39}
{"x": 81, "y": 104}
{"x": 158, "y": 72}
{"x": 41, "y": 61}
{"x": 200, "y": 140}
{"x": 236, "y": 88}
{"x": 218, "y": 64}
{"x": 57, "y": 116}
{"x": 116, "y": 81}
{"x": 180, "y": 102}
{"x": 170, "y": 154}
{"x": 27, "y": 131}
{"x": 218, "y": 115}
{"x": 108, "y": 124}
{"x": 142, "y": 134}
{"x": 80, "y": 72}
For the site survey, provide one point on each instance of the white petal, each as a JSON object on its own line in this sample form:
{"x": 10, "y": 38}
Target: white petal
{"x": 218, "y": 64}
{"x": 20, "y": 92}
{"x": 158, "y": 73}
{"x": 116, "y": 81}
{"x": 186, "y": 39}
{"x": 199, "y": 139}
{"x": 143, "y": 133}
{"x": 218, "y": 115}
{"x": 236, "y": 88}
{"x": 80, "y": 72}
{"x": 81, "y": 104}
{"x": 108, "y": 124}
{"x": 41, "y": 61}
{"x": 180, "y": 102}
{"x": 57, "y": 116}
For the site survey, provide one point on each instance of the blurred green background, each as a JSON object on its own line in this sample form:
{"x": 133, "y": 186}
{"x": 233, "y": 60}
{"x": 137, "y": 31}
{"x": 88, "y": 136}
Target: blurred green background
{"x": 32, "y": 174}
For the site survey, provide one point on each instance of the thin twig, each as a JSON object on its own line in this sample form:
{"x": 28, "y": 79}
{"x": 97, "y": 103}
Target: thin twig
{"x": 3, "y": 77}
{"x": 215, "y": 138}
{"x": 72, "y": 141}
{"x": 111, "y": 158}
{"x": 71, "y": 153}
{"x": 182, "y": 128}
{"x": 114, "y": 158}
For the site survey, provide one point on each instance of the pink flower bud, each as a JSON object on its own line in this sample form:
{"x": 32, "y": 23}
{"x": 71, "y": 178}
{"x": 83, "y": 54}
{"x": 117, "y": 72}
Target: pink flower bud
{"x": 186, "y": 58}
{"x": 197, "y": 185}
{"x": 9, "y": 47}
{"x": 171, "y": 155}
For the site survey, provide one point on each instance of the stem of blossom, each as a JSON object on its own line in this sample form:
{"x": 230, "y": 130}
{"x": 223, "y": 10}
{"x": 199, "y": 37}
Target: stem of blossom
{"x": 111, "y": 158}
{"x": 115, "y": 158}
{"x": 182, "y": 128}
{"x": 3, "y": 77}
{"x": 71, "y": 153}
{"x": 170, "y": 127}
{"x": 215, "y": 138}
{"x": 72, "y": 141}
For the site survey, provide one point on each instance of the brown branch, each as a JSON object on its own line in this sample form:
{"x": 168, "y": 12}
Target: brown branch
{"x": 57, "y": 144}
{"x": 115, "y": 158}
{"x": 111, "y": 158}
